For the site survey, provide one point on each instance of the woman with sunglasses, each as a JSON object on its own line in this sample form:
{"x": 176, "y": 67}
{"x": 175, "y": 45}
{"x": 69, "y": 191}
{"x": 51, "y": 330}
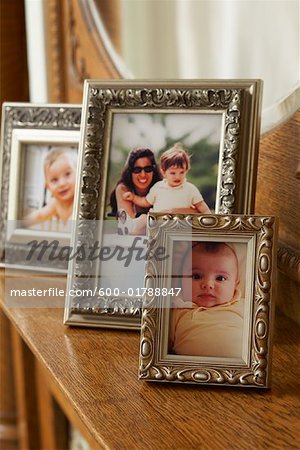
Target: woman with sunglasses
{"x": 139, "y": 175}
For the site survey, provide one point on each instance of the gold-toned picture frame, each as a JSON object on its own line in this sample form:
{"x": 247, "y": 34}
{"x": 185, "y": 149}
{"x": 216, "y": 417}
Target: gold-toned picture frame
{"x": 33, "y": 137}
{"x": 121, "y": 117}
{"x": 206, "y": 337}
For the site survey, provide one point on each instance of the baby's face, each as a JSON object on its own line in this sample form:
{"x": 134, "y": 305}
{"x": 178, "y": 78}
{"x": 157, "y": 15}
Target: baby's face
{"x": 60, "y": 178}
{"x": 214, "y": 277}
{"x": 175, "y": 175}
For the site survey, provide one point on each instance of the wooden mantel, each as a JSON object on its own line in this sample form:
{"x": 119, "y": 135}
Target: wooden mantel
{"x": 92, "y": 375}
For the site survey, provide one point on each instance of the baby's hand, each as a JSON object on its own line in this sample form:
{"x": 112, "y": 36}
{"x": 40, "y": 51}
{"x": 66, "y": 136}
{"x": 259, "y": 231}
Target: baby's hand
{"x": 128, "y": 196}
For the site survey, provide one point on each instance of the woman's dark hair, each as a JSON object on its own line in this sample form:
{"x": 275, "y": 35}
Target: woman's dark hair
{"x": 126, "y": 175}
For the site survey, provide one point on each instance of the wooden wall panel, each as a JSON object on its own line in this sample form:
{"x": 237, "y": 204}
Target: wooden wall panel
{"x": 13, "y": 55}
{"x": 13, "y": 87}
{"x": 278, "y": 193}
{"x": 278, "y": 178}
{"x": 26, "y": 398}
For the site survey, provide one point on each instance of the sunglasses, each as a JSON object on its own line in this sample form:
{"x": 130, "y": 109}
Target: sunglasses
{"x": 138, "y": 169}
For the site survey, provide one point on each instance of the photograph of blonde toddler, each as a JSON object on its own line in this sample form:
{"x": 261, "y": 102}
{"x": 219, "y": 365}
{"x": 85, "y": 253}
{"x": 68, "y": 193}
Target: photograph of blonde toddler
{"x": 49, "y": 192}
{"x": 207, "y": 319}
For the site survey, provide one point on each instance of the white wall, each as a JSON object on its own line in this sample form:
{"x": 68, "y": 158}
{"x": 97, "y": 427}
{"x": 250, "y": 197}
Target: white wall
{"x": 36, "y": 50}
{"x": 218, "y": 39}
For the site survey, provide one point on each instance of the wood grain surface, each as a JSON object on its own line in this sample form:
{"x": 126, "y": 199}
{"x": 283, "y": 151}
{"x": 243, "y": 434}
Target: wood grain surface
{"x": 8, "y": 418}
{"x": 278, "y": 181}
{"x": 277, "y": 194}
{"x": 13, "y": 60}
{"x": 93, "y": 376}
{"x": 24, "y": 377}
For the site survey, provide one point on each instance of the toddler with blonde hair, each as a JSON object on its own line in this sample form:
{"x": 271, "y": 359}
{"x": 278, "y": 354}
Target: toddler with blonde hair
{"x": 59, "y": 169}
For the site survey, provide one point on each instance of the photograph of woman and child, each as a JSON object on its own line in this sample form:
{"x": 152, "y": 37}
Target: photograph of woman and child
{"x": 177, "y": 172}
{"x": 207, "y": 318}
{"x": 171, "y": 163}
{"x": 49, "y": 187}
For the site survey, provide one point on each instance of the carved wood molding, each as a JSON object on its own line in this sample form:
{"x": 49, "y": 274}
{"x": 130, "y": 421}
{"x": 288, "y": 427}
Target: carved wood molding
{"x": 77, "y": 47}
{"x": 94, "y": 13}
{"x": 289, "y": 261}
{"x": 78, "y": 62}
{"x": 55, "y": 51}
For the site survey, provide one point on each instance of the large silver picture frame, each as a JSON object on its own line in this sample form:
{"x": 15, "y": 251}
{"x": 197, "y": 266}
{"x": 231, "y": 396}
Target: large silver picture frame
{"x": 214, "y": 358}
{"x": 23, "y": 125}
{"x": 237, "y": 102}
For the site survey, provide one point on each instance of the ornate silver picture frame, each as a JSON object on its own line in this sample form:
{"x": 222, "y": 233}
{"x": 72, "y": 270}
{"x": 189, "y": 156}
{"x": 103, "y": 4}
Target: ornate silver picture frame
{"x": 39, "y": 150}
{"x": 208, "y": 308}
{"x": 216, "y": 123}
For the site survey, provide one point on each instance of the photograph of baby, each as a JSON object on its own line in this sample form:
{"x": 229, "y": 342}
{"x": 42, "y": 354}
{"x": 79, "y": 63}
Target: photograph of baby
{"x": 207, "y": 318}
{"x": 162, "y": 162}
{"x": 48, "y": 187}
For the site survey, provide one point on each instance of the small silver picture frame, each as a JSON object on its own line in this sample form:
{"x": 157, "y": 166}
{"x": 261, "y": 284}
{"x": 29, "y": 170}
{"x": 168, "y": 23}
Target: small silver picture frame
{"x": 200, "y": 338}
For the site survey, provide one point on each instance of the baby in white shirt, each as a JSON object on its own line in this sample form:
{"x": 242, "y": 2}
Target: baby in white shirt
{"x": 173, "y": 192}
